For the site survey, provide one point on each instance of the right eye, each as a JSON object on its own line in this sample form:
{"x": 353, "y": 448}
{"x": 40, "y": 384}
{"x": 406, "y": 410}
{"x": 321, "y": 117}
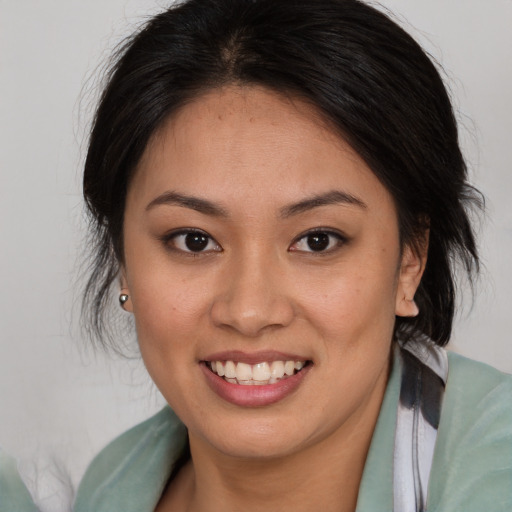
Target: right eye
{"x": 192, "y": 241}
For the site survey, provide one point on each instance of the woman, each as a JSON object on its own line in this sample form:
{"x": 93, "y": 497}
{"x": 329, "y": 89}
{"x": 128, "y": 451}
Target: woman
{"x": 277, "y": 189}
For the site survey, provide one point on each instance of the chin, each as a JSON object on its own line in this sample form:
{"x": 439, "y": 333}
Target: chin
{"x": 268, "y": 438}
{"x": 258, "y": 448}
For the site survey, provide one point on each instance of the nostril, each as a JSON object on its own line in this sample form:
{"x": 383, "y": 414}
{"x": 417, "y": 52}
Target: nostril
{"x": 248, "y": 322}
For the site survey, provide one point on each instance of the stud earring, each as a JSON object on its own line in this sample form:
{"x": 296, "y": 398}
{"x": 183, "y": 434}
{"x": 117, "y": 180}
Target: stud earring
{"x": 123, "y": 298}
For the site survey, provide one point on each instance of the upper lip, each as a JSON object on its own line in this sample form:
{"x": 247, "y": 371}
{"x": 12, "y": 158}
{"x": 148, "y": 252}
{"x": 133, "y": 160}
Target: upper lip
{"x": 254, "y": 357}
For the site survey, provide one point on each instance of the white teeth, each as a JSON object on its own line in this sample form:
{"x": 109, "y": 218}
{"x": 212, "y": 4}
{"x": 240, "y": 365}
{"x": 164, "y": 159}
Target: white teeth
{"x": 243, "y": 372}
{"x": 277, "y": 370}
{"x": 261, "y": 372}
{"x": 289, "y": 367}
{"x": 230, "y": 370}
{"x": 256, "y": 374}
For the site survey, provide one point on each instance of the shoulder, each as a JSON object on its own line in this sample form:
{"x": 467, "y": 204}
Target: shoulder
{"x": 472, "y": 468}
{"x": 464, "y": 369}
{"x": 14, "y": 496}
{"x": 130, "y": 473}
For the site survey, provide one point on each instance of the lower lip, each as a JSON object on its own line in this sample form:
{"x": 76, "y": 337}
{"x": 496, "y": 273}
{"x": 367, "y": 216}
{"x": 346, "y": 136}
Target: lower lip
{"x": 253, "y": 396}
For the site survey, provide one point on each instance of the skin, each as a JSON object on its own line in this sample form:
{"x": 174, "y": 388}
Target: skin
{"x": 258, "y": 286}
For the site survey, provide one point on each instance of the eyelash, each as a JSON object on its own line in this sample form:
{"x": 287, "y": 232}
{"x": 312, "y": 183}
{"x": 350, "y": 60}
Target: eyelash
{"x": 332, "y": 246}
{"x": 169, "y": 241}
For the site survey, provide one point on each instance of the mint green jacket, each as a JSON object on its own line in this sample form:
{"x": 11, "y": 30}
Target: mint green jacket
{"x": 471, "y": 471}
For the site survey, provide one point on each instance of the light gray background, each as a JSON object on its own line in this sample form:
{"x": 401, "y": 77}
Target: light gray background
{"x": 57, "y": 398}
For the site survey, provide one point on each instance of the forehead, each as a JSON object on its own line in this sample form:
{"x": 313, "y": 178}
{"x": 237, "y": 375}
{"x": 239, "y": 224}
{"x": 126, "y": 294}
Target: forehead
{"x": 252, "y": 143}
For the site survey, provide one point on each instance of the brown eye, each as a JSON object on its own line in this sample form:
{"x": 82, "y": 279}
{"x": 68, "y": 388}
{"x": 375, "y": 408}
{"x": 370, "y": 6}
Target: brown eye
{"x": 318, "y": 242}
{"x": 192, "y": 242}
{"x": 196, "y": 242}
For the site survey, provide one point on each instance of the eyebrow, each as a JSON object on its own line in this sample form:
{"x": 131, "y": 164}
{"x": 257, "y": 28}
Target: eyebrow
{"x": 331, "y": 197}
{"x": 194, "y": 203}
{"x": 206, "y": 207}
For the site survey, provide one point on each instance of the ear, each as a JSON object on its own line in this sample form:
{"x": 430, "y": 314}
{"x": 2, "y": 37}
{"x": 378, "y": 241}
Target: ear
{"x": 412, "y": 266}
{"x": 125, "y": 290}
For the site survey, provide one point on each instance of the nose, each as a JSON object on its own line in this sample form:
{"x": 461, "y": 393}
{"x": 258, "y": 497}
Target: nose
{"x": 252, "y": 298}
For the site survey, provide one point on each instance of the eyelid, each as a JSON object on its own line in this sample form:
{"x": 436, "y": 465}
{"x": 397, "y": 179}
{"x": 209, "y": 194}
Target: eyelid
{"x": 341, "y": 238}
{"x": 168, "y": 237}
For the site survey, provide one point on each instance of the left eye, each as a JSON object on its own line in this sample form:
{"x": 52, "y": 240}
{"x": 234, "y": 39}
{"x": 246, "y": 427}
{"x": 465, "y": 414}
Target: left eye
{"x": 318, "y": 241}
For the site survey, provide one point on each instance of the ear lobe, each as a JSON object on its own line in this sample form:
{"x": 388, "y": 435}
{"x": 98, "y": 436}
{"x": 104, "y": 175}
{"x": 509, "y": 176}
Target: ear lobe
{"x": 411, "y": 270}
{"x": 124, "y": 294}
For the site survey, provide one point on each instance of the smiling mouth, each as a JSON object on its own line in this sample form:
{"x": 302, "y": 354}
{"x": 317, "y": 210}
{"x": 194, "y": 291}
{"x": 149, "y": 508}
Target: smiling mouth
{"x": 259, "y": 374}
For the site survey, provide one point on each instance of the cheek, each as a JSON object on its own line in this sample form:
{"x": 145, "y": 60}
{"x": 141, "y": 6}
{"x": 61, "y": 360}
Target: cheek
{"x": 167, "y": 330}
{"x": 168, "y": 310}
{"x": 356, "y": 300}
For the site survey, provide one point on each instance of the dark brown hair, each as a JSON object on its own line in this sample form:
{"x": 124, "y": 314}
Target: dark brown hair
{"x": 363, "y": 73}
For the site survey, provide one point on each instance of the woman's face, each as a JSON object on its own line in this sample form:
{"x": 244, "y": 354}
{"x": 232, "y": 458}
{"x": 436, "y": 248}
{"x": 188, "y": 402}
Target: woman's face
{"x": 259, "y": 245}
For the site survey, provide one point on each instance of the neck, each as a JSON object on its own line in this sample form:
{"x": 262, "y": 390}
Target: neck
{"x": 324, "y": 476}
{"x": 327, "y": 482}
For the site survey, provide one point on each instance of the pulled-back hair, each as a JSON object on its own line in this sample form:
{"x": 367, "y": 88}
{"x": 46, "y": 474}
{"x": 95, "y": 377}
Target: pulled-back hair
{"x": 365, "y": 75}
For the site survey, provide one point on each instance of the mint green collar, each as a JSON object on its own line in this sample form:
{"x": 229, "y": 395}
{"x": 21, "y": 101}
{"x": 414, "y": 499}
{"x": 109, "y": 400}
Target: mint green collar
{"x": 376, "y": 489}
